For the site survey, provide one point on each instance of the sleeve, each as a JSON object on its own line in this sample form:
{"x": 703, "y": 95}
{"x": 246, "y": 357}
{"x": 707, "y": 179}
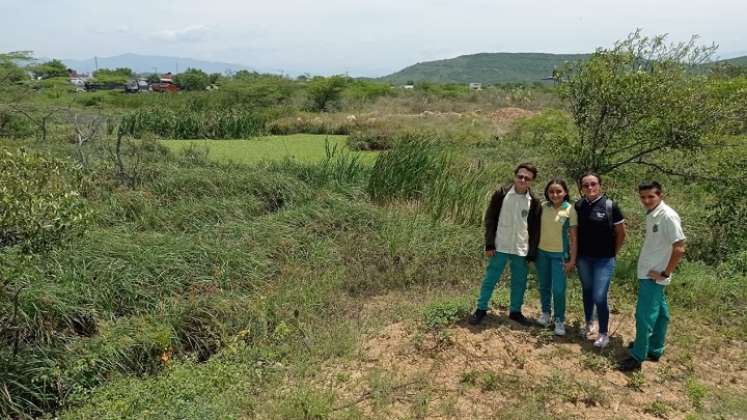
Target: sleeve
{"x": 573, "y": 216}
{"x": 617, "y": 216}
{"x": 491, "y": 219}
{"x": 673, "y": 229}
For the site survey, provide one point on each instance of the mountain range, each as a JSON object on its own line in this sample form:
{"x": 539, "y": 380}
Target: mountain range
{"x": 152, "y": 63}
{"x": 486, "y": 68}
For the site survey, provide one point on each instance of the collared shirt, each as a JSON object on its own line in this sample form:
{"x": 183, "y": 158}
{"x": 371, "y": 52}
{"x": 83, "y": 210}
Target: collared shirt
{"x": 551, "y": 232}
{"x": 512, "y": 235}
{"x": 663, "y": 229}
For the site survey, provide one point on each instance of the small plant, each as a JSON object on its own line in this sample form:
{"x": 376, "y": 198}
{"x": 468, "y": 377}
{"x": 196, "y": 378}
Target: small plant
{"x": 696, "y": 392}
{"x": 489, "y": 381}
{"x": 636, "y": 381}
{"x": 595, "y": 362}
{"x": 470, "y": 377}
{"x": 658, "y": 409}
{"x": 440, "y": 315}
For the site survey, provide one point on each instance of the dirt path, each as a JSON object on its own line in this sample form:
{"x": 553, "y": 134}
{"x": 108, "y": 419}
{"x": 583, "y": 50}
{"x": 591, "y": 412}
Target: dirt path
{"x": 503, "y": 370}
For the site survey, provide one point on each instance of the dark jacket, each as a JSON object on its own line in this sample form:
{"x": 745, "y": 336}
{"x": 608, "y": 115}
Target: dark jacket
{"x": 533, "y": 221}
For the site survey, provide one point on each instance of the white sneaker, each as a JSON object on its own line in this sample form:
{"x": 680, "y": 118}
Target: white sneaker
{"x": 559, "y": 328}
{"x": 588, "y": 329}
{"x": 544, "y": 319}
{"x": 602, "y": 341}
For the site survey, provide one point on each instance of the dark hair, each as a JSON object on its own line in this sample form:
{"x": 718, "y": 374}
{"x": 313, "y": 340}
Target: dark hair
{"x": 590, "y": 173}
{"x": 647, "y": 185}
{"x": 529, "y": 167}
{"x": 559, "y": 182}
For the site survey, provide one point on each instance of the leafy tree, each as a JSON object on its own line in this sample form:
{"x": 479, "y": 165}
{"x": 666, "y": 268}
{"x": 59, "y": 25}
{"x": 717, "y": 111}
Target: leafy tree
{"x": 154, "y": 78}
{"x": 192, "y": 79}
{"x": 119, "y": 75}
{"x": 10, "y": 71}
{"x": 635, "y": 101}
{"x": 256, "y": 90}
{"x": 214, "y": 78}
{"x": 50, "y": 69}
{"x": 323, "y": 92}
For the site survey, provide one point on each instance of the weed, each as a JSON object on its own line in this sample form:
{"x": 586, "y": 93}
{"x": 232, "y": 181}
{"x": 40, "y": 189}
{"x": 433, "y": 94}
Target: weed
{"x": 658, "y": 409}
{"x": 696, "y": 392}
{"x": 636, "y": 381}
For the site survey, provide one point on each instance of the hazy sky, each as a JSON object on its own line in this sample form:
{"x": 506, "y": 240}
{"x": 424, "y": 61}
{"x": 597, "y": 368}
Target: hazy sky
{"x": 361, "y": 38}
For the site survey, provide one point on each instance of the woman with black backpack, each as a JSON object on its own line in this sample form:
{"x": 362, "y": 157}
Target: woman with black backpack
{"x": 601, "y": 233}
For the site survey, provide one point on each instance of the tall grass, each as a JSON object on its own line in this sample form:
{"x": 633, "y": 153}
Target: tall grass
{"x": 188, "y": 124}
{"x": 418, "y": 168}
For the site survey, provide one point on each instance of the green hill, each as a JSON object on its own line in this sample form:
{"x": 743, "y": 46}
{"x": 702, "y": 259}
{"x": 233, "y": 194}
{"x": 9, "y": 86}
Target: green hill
{"x": 491, "y": 68}
{"x": 737, "y": 61}
{"x": 488, "y": 68}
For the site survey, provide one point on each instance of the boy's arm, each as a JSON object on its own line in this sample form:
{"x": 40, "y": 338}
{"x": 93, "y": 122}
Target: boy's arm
{"x": 491, "y": 221}
{"x": 678, "y": 251}
{"x": 619, "y": 236}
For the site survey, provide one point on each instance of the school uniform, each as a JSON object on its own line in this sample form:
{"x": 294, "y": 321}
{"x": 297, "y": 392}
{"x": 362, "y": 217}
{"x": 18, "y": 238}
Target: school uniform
{"x": 553, "y": 251}
{"x": 512, "y": 231}
{"x": 663, "y": 229}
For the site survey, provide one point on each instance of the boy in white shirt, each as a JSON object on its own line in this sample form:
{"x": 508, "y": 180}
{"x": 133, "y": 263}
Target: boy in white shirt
{"x": 662, "y": 250}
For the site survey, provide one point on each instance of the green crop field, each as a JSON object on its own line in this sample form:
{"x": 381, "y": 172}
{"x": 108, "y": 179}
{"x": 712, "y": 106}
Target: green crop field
{"x": 300, "y": 147}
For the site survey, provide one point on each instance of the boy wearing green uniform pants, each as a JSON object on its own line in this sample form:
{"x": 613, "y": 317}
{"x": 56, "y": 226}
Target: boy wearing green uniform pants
{"x": 512, "y": 224}
{"x": 662, "y": 250}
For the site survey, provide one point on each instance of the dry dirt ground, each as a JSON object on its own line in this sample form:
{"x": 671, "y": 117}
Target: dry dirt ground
{"x": 503, "y": 370}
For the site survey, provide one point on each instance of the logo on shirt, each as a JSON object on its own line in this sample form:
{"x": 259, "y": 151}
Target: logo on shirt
{"x": 524, "y": 213}
{"x": 656, "y": 228}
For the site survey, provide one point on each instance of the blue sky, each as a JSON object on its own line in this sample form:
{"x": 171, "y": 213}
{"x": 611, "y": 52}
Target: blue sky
{"x": 357, "y": 37}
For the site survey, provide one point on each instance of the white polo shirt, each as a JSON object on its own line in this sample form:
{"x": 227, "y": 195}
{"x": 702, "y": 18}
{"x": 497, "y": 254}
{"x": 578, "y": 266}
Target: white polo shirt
{"x": 512, "y": 235}
{"x": 663, "y": 229}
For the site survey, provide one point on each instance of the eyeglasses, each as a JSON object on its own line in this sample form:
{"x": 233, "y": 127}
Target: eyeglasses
{"x": 590, "y": 184}
{"x": 523, "y": 178}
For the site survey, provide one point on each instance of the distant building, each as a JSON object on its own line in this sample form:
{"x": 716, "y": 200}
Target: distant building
{"x": 475, "y": 86}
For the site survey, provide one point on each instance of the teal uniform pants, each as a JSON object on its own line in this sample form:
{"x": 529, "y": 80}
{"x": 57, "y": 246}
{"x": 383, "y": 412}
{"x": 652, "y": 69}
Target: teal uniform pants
{"x": 552, "y": 282}
{"x": 651, "y": 320}
{"x": 519, "y": 271}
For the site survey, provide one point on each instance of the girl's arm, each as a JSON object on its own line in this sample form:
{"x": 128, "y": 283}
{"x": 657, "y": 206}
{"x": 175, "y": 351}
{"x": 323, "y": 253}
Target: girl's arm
{"x": 571, "y": 264}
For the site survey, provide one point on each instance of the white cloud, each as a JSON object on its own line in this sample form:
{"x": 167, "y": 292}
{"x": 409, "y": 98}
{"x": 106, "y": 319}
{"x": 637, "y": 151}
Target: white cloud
{"x": 195, "y": 33}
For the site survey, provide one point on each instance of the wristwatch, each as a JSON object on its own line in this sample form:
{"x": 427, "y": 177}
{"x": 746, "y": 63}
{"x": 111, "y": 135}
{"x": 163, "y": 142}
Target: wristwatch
{"x": 665, "y": 274}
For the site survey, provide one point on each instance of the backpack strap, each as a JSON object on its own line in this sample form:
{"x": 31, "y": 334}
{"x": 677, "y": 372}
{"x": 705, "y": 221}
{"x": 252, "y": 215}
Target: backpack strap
{"x": 608, "y": 210}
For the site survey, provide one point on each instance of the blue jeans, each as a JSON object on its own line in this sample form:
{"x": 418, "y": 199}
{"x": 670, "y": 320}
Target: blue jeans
{"x": 519, "y": 271}
{"x": 596, "y": 275}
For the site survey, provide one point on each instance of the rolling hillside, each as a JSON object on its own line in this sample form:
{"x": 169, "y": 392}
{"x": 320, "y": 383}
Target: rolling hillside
{"x": 492, "y": 68}
{"x": 486, "y": 68}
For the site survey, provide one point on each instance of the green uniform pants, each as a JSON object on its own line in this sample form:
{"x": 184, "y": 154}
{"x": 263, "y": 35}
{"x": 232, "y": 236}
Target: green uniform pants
{"x": 552, "y": 282}
{"x": 651, "y": 320}
{"x": 519, "y": 272}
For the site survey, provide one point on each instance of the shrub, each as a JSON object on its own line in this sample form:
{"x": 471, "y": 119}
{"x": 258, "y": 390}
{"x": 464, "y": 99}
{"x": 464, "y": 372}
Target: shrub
{"x": 373, "y": 138}
{"x": 407, "y": 170}
{"x": 40, "y": 205}
{"x": 441, "y": 314}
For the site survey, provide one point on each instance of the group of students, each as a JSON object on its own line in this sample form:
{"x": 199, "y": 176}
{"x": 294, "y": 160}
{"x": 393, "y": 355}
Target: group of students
{"x": 560, "y": 236}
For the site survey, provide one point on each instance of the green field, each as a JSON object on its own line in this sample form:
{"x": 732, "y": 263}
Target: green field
{"x": 300, "y": 147}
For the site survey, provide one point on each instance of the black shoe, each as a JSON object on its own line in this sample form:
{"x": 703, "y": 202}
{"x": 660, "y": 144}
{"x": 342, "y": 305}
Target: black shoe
{"x": 518, "y": 317}
{"x": 477, "y": 317}
{"x": 650, "y": 357}
{"x": 629, "y": 365}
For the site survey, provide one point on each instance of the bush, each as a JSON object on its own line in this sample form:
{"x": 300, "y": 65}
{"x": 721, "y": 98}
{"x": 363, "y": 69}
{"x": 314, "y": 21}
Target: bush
{"x": 40, "y": 205}
{"x": 324, "y": 92}
{"x": 373, "y": 138}
{"x": 407, "y": 170}
{"x": 441, "y": 314}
